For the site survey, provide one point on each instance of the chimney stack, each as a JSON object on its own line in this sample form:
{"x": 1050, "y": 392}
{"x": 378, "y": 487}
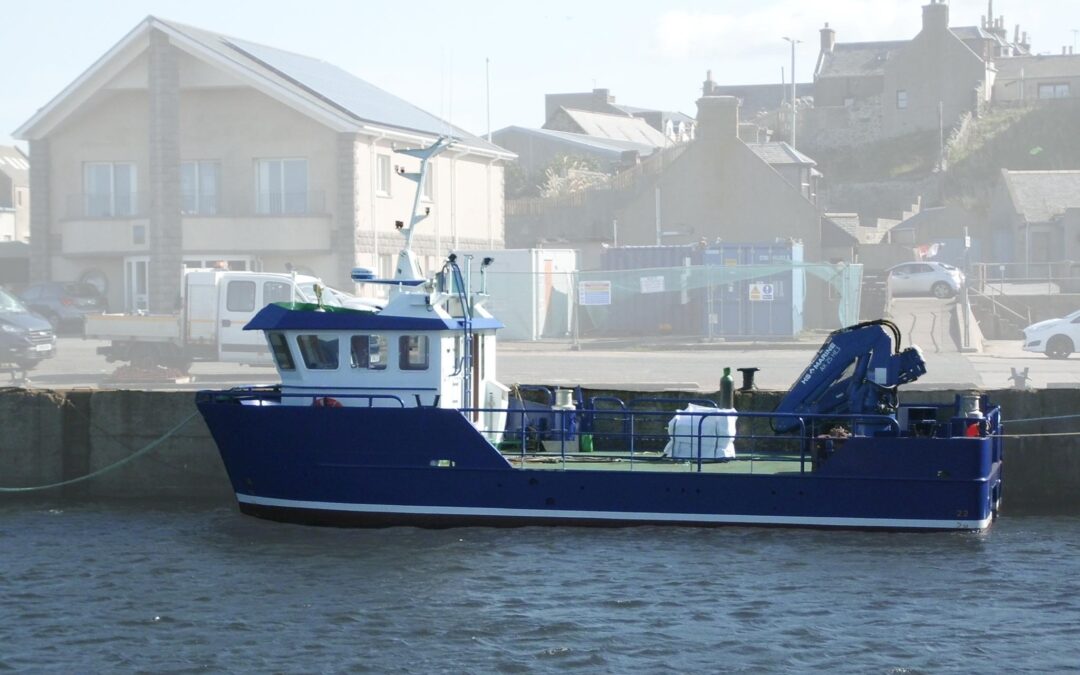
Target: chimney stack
{"x": 828, "y": 39}
{"x": 935, "y": 17}
{"x": 708, "y": 86}
{"x": 717, "y": 118}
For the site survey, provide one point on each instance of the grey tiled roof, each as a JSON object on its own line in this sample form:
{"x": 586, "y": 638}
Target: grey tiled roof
{"x": 617, "y": 127}
{"x": 609, "y": 147}
{"x": 1056, "y": 65}
{"x": 1040, "y": 196}
{"x": 328, "y": 84}
{"x": 664, "y": 114}
{"x": 852, "y": 59}
{"x": 779, "y": 153}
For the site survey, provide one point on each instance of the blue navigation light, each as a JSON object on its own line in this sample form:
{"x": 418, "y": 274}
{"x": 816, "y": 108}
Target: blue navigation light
{"x": 360, "y": 274}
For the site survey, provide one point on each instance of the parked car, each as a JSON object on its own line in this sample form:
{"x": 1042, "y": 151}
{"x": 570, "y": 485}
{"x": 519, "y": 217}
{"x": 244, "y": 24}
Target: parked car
{"x": 1057, "y": 338}
{"x": 925, "y": 278}
{"x": 64, "y": 303}
{"x": 25, "y": 338}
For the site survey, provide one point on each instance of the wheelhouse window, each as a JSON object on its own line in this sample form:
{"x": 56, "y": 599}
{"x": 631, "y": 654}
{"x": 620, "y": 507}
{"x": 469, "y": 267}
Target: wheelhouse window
{"x": 200, "y": 183}
{"x": 282, "y": 186}
{"x": 901, "y": 99}
{"x": 282, "y": 355}
{"x": 109, "y": 189}
{"x": 413, "y": 352}
{"x": 369, "y": 352}
{"x": 382, "y": 172}
{"x": 318, "y": 353}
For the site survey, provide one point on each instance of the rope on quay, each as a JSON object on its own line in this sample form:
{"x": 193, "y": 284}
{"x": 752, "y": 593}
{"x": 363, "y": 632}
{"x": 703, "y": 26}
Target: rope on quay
{"x": 115, "y": 465}
{"x": 1059, "y": 433}
{"x": 1040, "y": 419}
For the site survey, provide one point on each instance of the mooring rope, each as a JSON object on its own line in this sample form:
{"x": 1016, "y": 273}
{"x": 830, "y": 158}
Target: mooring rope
{"x": 115, "y": 465}
{"x": 1040, "y": 419}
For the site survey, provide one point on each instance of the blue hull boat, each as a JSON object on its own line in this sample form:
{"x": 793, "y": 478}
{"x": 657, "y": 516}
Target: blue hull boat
{"x": 393, "y": 415}
{"x": 361, "y": 466}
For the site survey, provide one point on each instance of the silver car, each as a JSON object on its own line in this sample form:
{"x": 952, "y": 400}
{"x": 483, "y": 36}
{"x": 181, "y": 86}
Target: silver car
{"x": 925, "y": 278}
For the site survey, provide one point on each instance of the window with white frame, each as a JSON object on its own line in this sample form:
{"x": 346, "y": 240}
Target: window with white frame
{"x": 382, "y": 175}
{"x": 1055, "y": 90}
{"x": 223, "y": 261}
{"x": 427, "y": 191}
{"x": 200, "y": 185}
{"x": 281, "y": 186}
{"x": 109, "y": 189}
{"x": 901, "y": 99}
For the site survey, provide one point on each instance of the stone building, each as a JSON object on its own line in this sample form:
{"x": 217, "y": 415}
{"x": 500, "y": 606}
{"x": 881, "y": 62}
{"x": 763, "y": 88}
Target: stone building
{"x": 181, "y": 147}
{"x": 865, "y": 91}
{"x": 1033, "y": 216}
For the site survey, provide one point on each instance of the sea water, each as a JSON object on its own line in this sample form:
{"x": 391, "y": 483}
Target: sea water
{"x": 132, "y": 587}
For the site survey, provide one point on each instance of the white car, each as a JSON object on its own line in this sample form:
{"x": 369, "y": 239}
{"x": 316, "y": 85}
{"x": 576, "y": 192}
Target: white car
{"x": 925, "y": 278}
{"x": 1057, "y": 338}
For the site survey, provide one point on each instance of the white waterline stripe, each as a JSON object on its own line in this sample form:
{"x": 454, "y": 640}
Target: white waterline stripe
{"x": 619, "y": 515}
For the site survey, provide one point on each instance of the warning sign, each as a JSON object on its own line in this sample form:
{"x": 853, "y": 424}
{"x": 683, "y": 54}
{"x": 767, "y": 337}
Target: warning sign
{"x": 761, "y": 292}
{"x": 594, "y": 293}
{"x": 652, "y": 284}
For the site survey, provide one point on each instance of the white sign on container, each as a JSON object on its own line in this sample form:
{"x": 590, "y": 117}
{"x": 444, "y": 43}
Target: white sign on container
{"x": 594, "y": 293}
{"x": 761, "y": 292}
{"x": 652, "y": 284}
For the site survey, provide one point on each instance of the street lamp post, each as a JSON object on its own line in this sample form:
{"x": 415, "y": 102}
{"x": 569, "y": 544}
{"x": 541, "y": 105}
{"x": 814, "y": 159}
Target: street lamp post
{"x": 793, "y": 42}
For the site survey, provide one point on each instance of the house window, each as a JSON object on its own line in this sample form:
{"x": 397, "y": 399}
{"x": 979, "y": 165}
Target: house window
{"x": 849, "y": 101}
{"x": 427, "y": 192}
{"x": 200, "y": 184}
{"x": 413, "y": 352}
{"x": 382, "y": 172}
{"x": 1060, "y": 90}
{"x": 280, "y": 346}
{"x": 109, "y": 189}
{"x": 217, "y": 262}
{"x": 369, "y": 351}
{"x": 901, "y": 99}
{"x": 282, "y": 186}
{"x": 318, "y": 353}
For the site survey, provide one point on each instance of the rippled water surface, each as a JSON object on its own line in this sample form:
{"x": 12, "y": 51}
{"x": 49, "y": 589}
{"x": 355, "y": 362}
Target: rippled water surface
{"x": 93, "y": 588}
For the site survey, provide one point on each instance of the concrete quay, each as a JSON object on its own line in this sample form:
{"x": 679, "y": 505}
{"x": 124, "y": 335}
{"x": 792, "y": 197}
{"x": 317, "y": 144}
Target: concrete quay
{"x": 54, "y": 436}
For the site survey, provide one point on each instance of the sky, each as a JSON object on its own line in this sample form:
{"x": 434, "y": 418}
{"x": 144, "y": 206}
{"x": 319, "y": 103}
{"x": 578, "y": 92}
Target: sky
{"x": 438, "y": 55}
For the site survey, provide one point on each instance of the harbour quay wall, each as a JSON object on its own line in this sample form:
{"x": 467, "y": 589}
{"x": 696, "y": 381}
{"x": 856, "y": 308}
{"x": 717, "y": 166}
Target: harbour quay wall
{"x": 49, "y": 437}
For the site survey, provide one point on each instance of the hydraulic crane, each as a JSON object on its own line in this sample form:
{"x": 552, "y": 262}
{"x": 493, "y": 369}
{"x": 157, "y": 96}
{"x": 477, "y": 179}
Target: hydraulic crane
{"x": 856, "y": 371}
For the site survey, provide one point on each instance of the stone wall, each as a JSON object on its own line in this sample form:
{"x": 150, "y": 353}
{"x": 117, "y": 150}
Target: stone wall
{"x": 54, "y": 436}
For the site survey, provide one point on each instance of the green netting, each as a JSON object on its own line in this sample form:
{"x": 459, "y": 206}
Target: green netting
{"x": 682, "y": 299}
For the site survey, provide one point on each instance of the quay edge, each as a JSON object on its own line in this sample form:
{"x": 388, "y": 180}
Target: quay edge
{"x": 52, "y": 436}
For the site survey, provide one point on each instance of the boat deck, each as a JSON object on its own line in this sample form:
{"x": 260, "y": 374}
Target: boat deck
{"x": 655, "y": 462}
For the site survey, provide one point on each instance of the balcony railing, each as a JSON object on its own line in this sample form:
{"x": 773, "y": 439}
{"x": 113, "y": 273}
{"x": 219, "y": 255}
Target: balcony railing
{"x": 107, "y": 206}
{"x": 136, "y": 205}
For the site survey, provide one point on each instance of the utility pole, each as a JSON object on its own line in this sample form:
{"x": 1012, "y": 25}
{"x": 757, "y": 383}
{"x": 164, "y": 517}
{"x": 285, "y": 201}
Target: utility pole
{"x": 487, "y": 94}
{"x": 793, "y": 42}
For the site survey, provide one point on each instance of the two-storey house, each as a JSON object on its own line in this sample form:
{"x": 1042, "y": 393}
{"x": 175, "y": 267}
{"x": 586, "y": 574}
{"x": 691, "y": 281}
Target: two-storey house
{"x": 181, "y": 147}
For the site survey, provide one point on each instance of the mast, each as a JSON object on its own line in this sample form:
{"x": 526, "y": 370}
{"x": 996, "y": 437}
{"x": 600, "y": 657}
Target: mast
{"x": 408, "y": 268}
